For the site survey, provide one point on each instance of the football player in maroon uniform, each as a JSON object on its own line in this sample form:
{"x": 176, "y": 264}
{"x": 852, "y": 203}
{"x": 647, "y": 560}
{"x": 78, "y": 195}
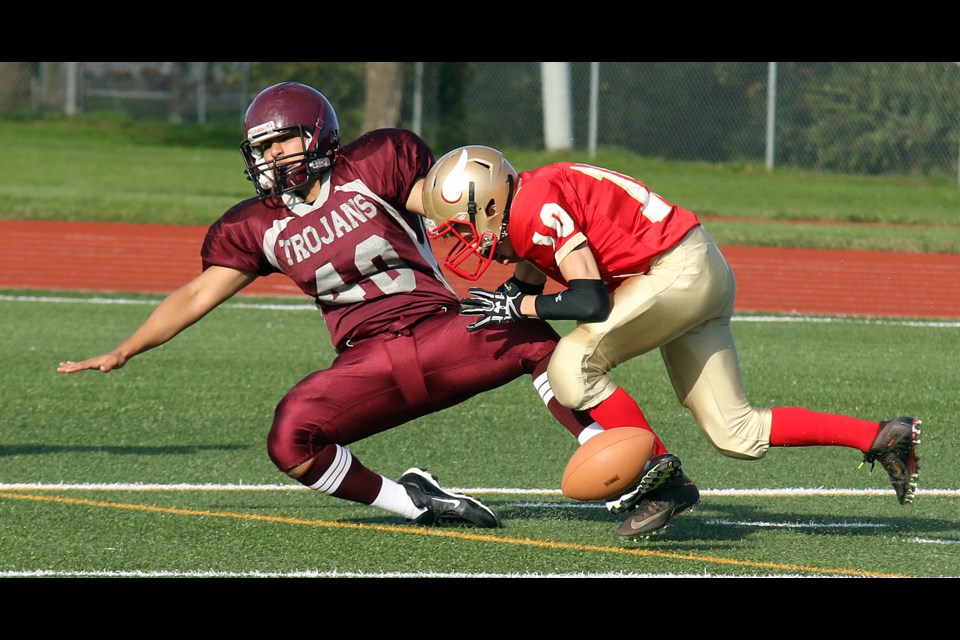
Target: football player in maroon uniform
{"x": 346, "y": 224}
{"x": 640, "y": 273}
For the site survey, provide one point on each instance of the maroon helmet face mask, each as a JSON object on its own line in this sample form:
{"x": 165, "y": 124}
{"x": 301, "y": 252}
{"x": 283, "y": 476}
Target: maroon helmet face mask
{"x": 281, "y": 110}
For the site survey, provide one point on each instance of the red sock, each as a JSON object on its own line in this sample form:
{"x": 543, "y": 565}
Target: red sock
{"x": 620, "y": 410}
{"x": 795, "y": 427}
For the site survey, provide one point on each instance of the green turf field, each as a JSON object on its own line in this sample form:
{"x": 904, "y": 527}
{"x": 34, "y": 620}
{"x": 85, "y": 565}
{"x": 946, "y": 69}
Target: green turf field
{"x": 161, "y": 469}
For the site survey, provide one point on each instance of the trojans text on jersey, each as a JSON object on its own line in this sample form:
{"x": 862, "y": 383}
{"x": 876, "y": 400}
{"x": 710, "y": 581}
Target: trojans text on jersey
{"x": 333, "y": 224}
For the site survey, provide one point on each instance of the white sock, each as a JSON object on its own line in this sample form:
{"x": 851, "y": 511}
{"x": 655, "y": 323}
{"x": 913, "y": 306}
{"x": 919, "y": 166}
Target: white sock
{"x": 394, "y": 498}
{"x": 589, "y": 431}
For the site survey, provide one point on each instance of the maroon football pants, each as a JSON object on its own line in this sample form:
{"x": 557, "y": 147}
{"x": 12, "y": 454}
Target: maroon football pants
{"x": 387, "y": 380}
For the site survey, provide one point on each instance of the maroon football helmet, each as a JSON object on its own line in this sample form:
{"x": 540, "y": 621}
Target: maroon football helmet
{"x": 276, "y": 111}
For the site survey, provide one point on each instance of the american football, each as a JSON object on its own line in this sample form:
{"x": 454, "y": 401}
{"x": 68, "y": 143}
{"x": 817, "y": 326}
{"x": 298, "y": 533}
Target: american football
{"x": 607, "y": 464}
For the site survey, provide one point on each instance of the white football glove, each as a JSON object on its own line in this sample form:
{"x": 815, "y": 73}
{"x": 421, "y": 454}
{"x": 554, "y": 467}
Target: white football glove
{"x": 498, "y": 306}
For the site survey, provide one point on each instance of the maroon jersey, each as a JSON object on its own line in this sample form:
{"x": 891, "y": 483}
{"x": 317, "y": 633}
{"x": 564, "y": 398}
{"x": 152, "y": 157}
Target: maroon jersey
{"x": 357, "y": 251}
{"x": 561, "y": 205}
{"x": 403, "y": 349}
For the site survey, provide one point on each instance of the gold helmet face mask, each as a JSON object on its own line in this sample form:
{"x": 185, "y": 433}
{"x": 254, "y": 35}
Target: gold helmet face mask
{"x": 467, "y": 196}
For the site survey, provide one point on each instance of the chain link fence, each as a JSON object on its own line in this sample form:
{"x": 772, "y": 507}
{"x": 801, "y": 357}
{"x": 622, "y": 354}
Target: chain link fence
{"x": 870, "y": 118}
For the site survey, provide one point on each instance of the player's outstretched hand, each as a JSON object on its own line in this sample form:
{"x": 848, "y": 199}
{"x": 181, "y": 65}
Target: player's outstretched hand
{"x": 105, "y": 362}
{"x": 493, "y": 306}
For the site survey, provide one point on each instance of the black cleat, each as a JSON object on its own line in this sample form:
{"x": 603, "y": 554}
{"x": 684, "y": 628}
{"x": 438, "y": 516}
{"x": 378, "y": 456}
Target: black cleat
{"x": 657, "y": 508}
{"x": 659, "y": 471}
{"x": 445, "y": 509}
{"x": 896, "y": 450}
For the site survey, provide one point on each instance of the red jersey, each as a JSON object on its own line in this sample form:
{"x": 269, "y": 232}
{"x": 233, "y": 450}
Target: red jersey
{"x": 561, "y": 205}
{"x": 356, "y": 251}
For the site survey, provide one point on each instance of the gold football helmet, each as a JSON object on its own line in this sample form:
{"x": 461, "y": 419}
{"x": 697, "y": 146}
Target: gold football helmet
{"x": 467, "y": 196}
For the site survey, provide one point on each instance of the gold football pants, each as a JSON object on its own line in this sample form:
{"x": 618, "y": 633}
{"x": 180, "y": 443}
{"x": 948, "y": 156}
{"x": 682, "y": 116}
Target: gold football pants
{"x": 682, "y": 306}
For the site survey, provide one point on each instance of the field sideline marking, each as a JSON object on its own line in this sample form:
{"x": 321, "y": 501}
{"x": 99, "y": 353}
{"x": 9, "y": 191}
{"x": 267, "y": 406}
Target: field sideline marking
{"x": 50, "y": 573}
{"x": 460, "y": 535}
{"x": 119, "y": 486}
{"x": 100, "y": 299}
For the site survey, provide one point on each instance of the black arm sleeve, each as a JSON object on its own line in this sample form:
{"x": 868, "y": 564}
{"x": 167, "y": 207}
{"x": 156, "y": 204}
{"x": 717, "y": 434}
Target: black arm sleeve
{"x": 525, "y": 288}
{"x": 585, "y": 300}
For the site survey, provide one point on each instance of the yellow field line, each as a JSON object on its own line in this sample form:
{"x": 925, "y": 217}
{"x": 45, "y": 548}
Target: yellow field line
{"x": 456, "y": 534}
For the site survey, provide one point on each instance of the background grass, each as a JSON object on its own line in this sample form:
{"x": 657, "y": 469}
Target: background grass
{"x": 196, "y": 411}
{"x": 107, "y": 170}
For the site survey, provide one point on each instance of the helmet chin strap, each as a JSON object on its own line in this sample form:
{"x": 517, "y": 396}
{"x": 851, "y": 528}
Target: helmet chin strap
{"x": 472, "y": 203}
{"x": 472, "y": 211}
{"x": 318, "y": 165}
{"x": 506, "y": 210}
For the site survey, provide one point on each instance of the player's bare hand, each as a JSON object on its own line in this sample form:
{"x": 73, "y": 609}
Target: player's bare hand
{"x": 105, "y": 362}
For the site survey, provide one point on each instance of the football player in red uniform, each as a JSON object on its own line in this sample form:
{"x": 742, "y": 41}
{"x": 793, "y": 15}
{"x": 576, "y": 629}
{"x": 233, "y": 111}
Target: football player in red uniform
{"x": 346, "y": 224}
{"x": 640, "y": 273}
